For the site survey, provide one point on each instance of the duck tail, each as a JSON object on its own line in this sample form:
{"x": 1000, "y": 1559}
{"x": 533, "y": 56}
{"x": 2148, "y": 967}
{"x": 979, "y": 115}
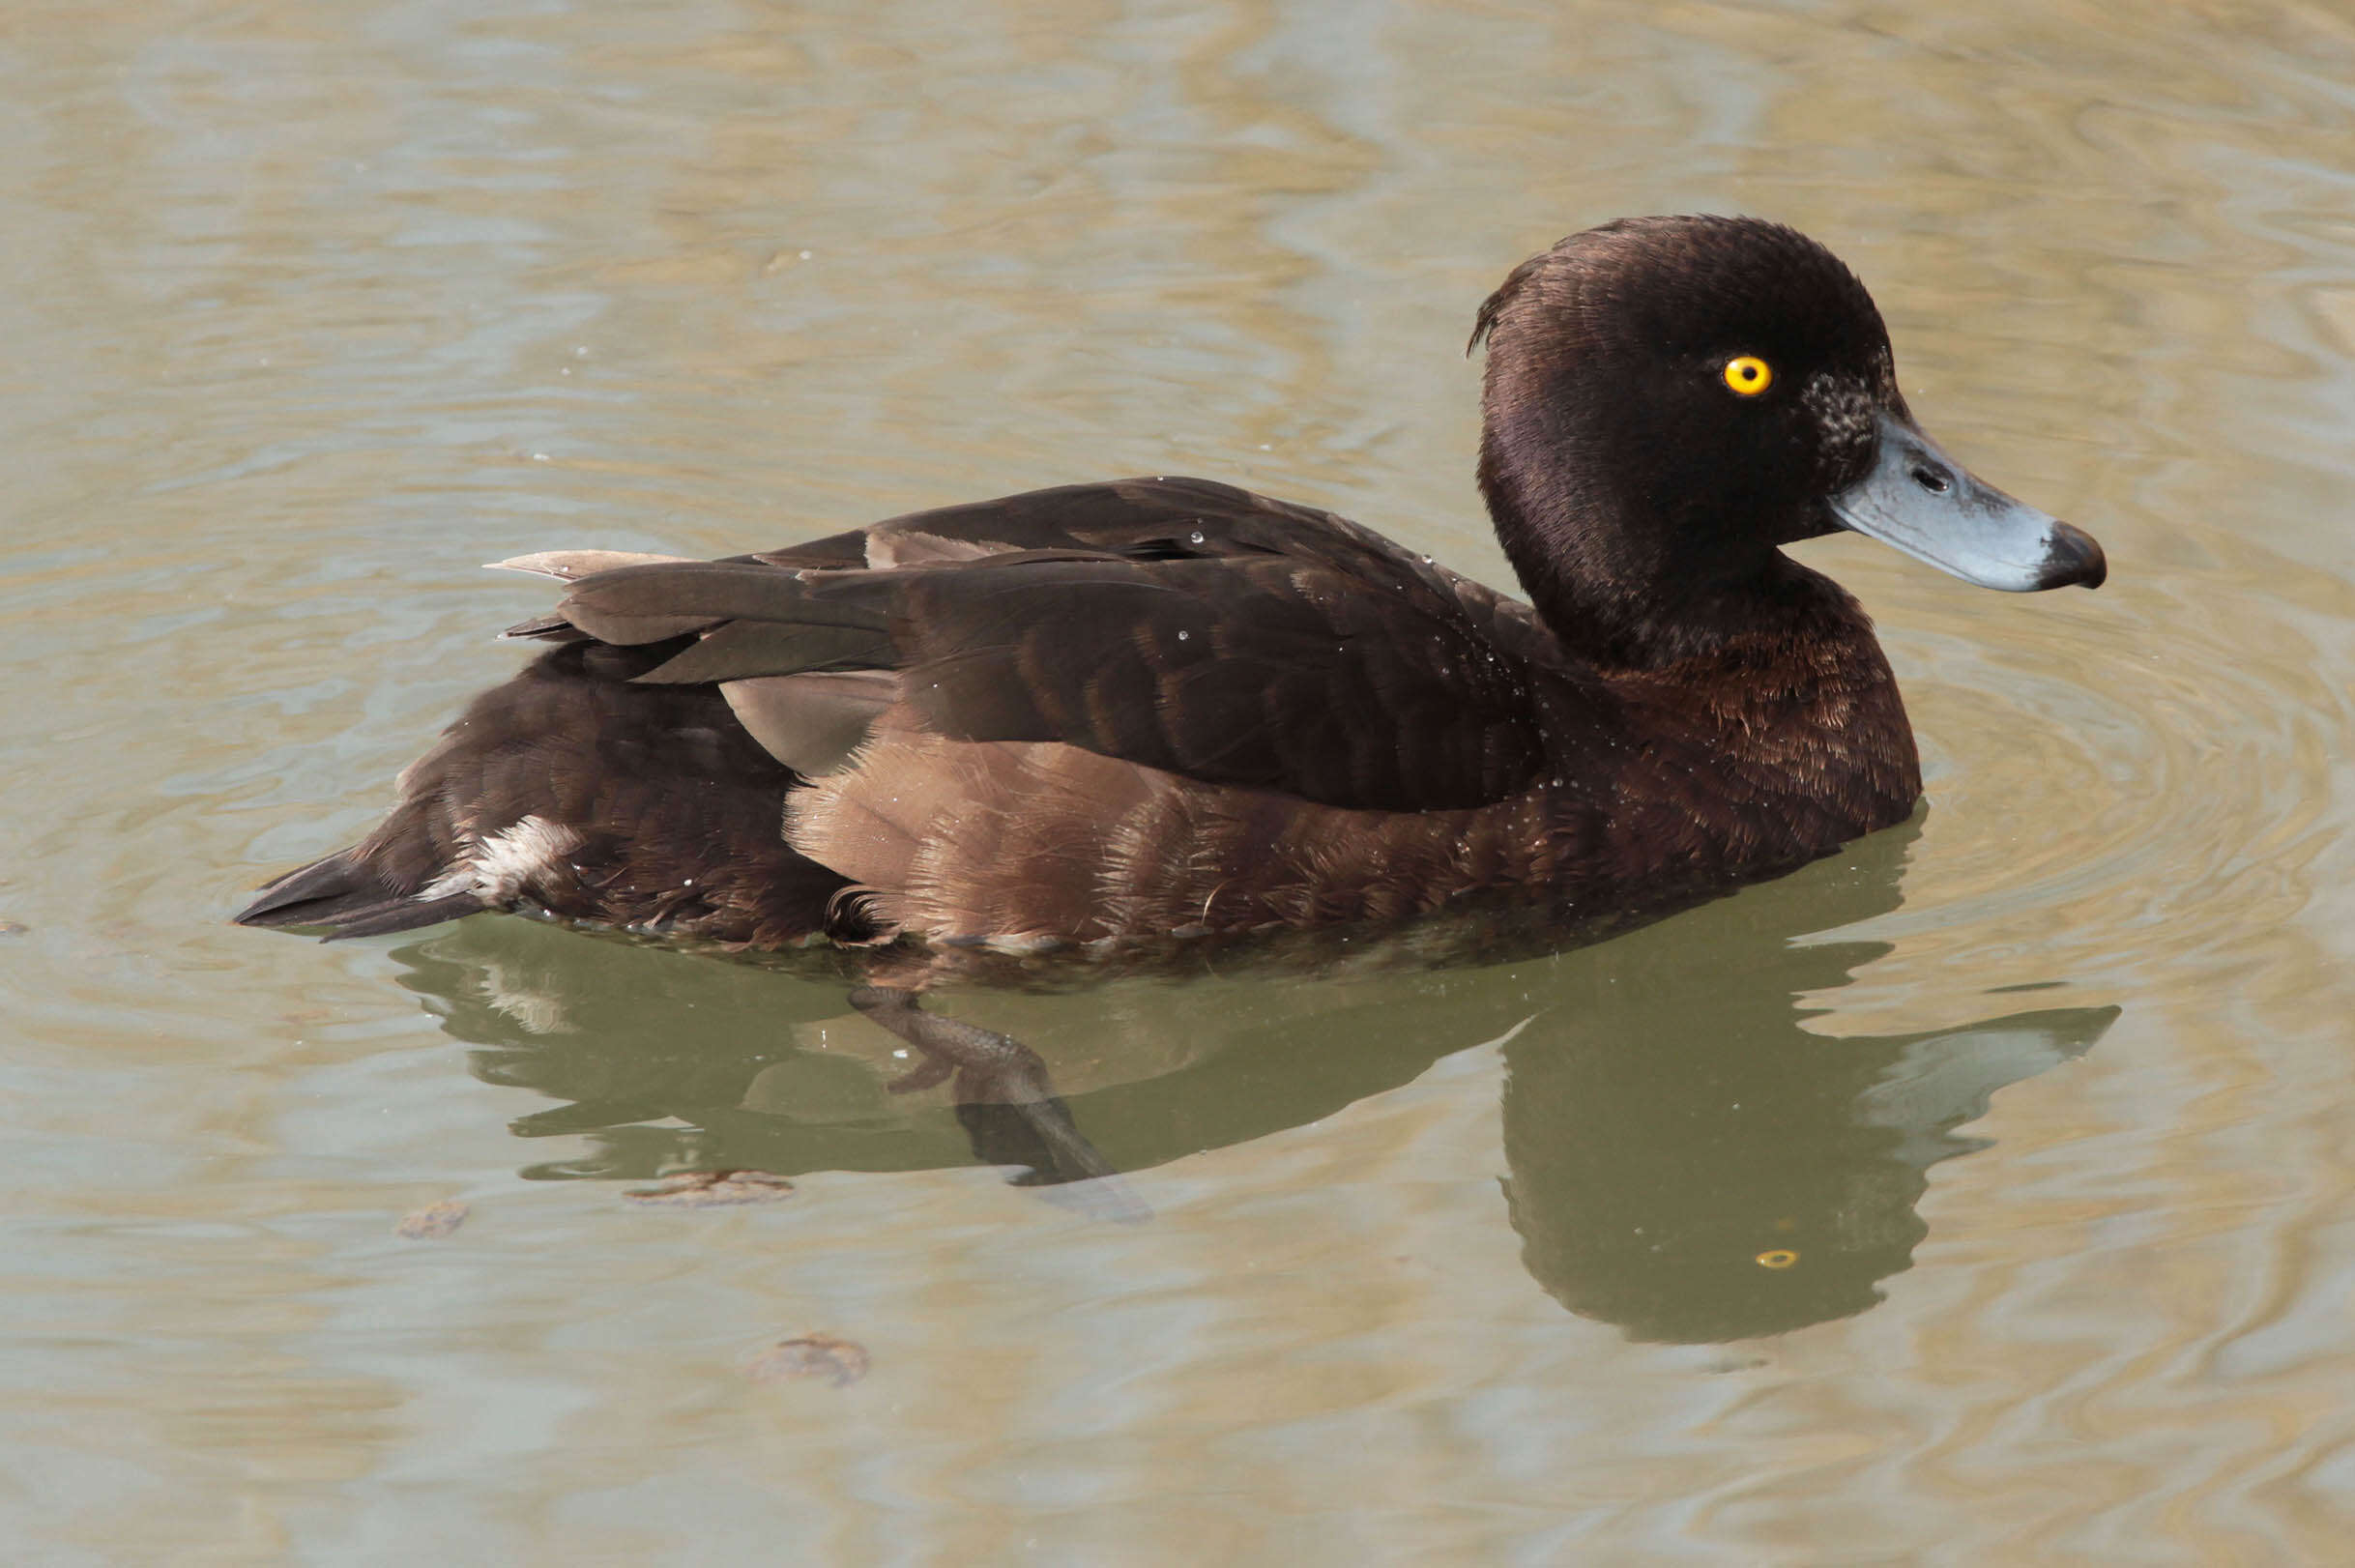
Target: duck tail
{"x": 348, "y": 894}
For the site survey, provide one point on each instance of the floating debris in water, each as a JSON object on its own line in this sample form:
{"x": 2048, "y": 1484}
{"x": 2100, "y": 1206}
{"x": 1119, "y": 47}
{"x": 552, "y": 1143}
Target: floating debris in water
{"x": 432, "y": 1222}
{"x": 710, "y": 1189}
{"x": 813, "y": 1355}
{"x": 13, "y": 928}
{"x": 1777, "y": 1258}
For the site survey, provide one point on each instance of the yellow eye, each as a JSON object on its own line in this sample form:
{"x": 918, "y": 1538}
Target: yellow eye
{"x": 1749, "y": 375}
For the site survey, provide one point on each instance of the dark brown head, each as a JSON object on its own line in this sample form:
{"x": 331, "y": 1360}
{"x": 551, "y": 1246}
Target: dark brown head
{"x": 1671, "y": 400}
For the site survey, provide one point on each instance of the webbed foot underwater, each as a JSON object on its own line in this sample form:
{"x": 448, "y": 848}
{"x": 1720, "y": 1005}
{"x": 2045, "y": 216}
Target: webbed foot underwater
{"x": 1158, "y": 709}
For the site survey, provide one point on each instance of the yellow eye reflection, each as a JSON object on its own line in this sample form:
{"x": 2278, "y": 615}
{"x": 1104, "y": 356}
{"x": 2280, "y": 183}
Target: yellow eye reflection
{"x": 1779, "y": 1258}
{"x": 1749, "y": 375}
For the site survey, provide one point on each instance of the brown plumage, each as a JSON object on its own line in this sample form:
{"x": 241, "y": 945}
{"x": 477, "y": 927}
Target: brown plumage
{"x": 1155, "y": 709}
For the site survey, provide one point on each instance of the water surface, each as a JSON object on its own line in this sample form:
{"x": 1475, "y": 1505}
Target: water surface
{"x": 1984, "y": 1194}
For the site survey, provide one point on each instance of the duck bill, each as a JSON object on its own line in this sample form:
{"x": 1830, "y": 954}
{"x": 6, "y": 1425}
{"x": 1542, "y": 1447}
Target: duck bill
{"x": 1918, "y": 500}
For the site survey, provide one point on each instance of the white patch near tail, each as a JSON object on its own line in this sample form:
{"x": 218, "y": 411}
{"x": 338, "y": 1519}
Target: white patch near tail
{"x": 499, "y": 868}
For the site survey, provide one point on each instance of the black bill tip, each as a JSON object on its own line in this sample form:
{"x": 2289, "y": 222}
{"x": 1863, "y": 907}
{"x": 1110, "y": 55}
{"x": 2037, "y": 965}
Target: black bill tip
{"x": 2073, "y": 559}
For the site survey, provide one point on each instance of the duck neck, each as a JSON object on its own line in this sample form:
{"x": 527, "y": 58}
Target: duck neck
{"x": 1770, "y": 665}
{"x": 1640, "y": 594}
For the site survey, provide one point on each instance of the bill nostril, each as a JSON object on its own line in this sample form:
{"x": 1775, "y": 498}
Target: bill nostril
{"x": 1935, "y": 481}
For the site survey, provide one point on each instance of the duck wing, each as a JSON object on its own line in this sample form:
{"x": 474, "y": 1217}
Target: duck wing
{"x": 1164, "y": 516}
{"x": 1175, "y": 624}
{"x": 1170, "y": 518}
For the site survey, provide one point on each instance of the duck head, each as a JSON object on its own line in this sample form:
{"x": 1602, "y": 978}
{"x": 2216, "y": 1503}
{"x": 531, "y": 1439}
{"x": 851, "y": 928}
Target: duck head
{"x": 1670, "y": 401}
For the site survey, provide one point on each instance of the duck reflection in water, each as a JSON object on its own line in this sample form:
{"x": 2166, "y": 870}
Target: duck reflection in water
{"x": 1686, "y": 1157}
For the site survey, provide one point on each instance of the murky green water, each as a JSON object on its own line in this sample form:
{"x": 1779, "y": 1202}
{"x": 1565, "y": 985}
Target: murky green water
{"x": 1985, "y": 1195}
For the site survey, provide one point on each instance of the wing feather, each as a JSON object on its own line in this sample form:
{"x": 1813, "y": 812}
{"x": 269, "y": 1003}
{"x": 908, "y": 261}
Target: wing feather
{"x": 1179, "y": 625}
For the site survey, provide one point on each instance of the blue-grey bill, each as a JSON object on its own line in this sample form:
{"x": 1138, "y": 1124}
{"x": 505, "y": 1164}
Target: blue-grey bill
{"x": 1922, "y": 502}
